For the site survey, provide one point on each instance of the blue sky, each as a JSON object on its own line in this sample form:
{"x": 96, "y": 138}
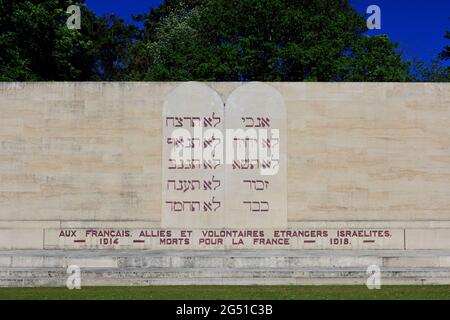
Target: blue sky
{"x": 418, "y": 25}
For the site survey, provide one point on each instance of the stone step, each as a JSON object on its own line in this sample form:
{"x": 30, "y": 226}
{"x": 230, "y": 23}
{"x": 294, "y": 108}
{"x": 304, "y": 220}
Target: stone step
{"x": 218, "y": 272}
{"x": 145, "y": 276}
{"x": 243, "y": 280}
{"x": 238, "y": 260}
{"x": 38, "y": 282}
{"x": 48, "y": 268}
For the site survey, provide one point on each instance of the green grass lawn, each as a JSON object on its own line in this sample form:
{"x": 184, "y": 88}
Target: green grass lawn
{"x": 229, "y": 292}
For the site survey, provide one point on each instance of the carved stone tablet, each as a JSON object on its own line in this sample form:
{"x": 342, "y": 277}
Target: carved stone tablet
{"x": 255, "y": 182}
{"x": 192, "y": 165}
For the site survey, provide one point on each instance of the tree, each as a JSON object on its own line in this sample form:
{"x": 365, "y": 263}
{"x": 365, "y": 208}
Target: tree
{"x": 216, "y": 40}
{"x": 266, "y": 40}
{"x": 434, "y": 71}
{"x": 109, "y": 40}
{"x": 373, "y": 59}
{"x": 445, "y": 54}
{"x": 170, "y": 55}
{"x": 35, "y": 43}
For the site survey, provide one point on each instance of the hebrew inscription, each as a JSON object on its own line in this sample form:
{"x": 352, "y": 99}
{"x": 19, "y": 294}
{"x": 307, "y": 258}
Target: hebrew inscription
{"x": 255, "y": 176}
{"x": 224, "y": 166}
{"x": 193, "y": 169}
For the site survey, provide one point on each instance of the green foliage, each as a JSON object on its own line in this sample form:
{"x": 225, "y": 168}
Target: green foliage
{"x": 214, "y": 40}
{"x": 35, "y": 43}
{"x": 169, "y": 55}
{"x": 266, "y": 40}
{"x": 374, "y": 59}
{"x": 434, "y": 71}
{"x": 445, "y": 54}
{"x": 110, "y": 39}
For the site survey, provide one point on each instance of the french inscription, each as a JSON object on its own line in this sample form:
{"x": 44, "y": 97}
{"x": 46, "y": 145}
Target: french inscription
{"x": 206, "y": 238}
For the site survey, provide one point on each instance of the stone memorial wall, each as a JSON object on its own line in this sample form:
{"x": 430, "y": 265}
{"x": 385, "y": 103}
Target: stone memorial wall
{"x": 224, "y": 166}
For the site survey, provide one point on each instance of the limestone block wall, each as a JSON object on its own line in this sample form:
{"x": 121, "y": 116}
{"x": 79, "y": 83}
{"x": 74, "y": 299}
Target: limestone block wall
{"x": 360, "y": 156}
